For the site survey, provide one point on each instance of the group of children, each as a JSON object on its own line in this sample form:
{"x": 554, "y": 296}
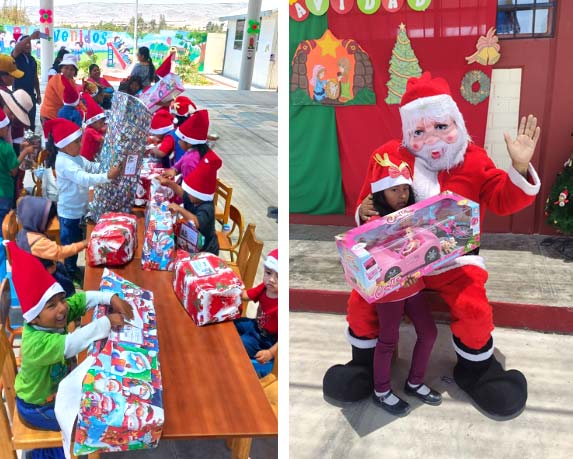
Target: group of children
{"x": 45, "y": 273}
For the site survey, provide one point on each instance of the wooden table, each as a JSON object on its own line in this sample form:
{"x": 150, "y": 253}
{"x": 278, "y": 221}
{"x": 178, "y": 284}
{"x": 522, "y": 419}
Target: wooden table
{"x": 210, "y": 389}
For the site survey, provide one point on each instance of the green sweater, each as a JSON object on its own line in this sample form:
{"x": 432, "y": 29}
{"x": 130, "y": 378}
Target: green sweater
{"x": 43, "y": 362}
{"x": 8, "y": 161}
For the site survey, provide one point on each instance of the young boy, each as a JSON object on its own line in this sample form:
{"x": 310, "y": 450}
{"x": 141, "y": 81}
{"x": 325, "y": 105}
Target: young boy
{"x": 47, "y": 348}
{"x": 198, "y": 191}
{"x": 260, "y": 335}
{"x": 94, "y": 133}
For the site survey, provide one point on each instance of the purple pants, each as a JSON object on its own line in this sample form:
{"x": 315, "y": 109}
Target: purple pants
{"x": 389, "y": 317}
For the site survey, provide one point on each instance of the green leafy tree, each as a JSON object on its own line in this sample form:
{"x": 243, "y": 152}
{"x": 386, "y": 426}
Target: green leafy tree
{"x": 188, "y": 71}
{"x": 403, "y": 65}
{"x": 14, "y": 12}
{"x": 559, "y": 205}
{"x": 162, "y": 23}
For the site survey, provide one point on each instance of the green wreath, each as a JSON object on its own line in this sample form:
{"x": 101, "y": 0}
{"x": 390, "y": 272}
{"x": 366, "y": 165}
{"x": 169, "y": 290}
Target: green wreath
{"x": 475, "y": 76}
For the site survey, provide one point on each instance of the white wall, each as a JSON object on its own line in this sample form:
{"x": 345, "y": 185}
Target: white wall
{"x": 503, "y": 113}
{"x": 266, "y": 47}
{"x": 214, "y": 52}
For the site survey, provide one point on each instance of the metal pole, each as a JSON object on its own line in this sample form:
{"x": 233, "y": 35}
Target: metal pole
{"x": 135, "y": 31}
{"x": 47, "y": 50}
{"x": 249, "y": 42}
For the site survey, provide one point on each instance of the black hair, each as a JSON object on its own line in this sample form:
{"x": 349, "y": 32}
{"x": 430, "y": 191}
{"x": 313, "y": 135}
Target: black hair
{"x": 91, "y": 67}
{"x": 61, "y": 53}
{"x": 202, "y": 148}
{"x": 382, "y": 206}
{"x": 181, "y": 119}
{"x": 52, "y": 213}
{"x": 125, "y": 85}
{"x": 144, "y": 52}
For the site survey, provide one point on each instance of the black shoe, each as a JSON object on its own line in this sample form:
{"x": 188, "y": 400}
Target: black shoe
{"x": 431, "y": 398}
{"x": 399, "y": 409}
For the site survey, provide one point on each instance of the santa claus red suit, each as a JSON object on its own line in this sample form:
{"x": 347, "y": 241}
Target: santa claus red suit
{"x": 440, "y": 153}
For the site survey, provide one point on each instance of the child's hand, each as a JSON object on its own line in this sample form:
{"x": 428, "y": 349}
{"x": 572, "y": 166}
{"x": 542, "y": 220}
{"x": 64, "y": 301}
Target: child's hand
{"x": 174, "y": 207}
{"x": 114, "y": 172}
{"x": 244, "y": 296}
{"x": 116, "y": 320}
{"x": 410, "y": 280}
{"x": 121, "y": 306}
{"x": 264, "y": 356}
{"x": 165, "y": 181}
{"x": 169, "y": 173}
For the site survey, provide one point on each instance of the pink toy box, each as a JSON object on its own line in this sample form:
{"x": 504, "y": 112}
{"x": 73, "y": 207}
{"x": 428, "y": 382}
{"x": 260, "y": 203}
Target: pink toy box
{"x": 380, "y": 255}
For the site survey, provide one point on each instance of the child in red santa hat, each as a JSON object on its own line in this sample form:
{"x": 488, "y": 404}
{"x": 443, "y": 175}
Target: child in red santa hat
{"x": 162, "y": 141}
{"x": 192, "y": 136}
{"x": 198, "y": 190}
{"x": 70, "y": 110}
{"x": 95, "y": 128}
{"x": 260, "y": 335}
{"x": 182, "y": 108}
{"x": 75, "y": 175}
{"x": 48, "y": 350}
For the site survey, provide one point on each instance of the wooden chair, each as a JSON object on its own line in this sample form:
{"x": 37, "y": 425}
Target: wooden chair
{"x": 37, "y": 189}
{"x": 226, "y": 243}
{"x": 10, "y": 226}
{"x": 222, "y": 209}
{"x": 5, "y": 304}
{"x": 248, "y": 257}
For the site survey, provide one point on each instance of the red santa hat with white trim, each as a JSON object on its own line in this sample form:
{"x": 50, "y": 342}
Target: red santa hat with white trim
{"x": 71, "y": 95}
{"x": 161, "y": 123}
{"x": 182, "y": 106}
{"x": 272, "y": 260}
{"x": 34, "y": 285}
{"x": 165, "y": 68}
{"x": 201, "y": 183}
{"x": 388, "y": 172}
{"x": 428, "y": 98}
{"x": 4, "y": 120}
{"x": 93, "y": 111}
{"x": 63, "y": 131}
{"x": 195, "y": 129}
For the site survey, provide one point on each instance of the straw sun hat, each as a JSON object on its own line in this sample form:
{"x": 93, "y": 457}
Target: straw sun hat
{"x": 19, "y": 103}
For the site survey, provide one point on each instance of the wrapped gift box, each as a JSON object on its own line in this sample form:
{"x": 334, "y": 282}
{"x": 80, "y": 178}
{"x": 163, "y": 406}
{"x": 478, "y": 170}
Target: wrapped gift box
{"x": 121, "y": 406}
{"x": 150, "y": 168}
{"x": 167, "y": 88}
{"x": 380, "y": 255}
{"x": 113, "y": 240}
{"x": 207, "y": 287}
{"x": 159, "y": 241}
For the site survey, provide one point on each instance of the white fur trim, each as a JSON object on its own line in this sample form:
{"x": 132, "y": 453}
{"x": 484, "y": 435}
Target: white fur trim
{"x": 272, "y": 263}
{"x": 426, "y": 182}
{"x": 473, "y": 357}
{"x": 163, "y": 130}
{"x": 466, "y": 260}
{"x": 95, "y": 118}
{"x": 359, "y": 343}
{"x": 190, "y": 140}
{"x": 69, "y": 139}
{"x": 197, "y": 194}
{"x": 35, "y": 310}
{"x": 5, "y": 122}
{"x": 357, "y": 216}
{"x": 388, "y": 182}
{"x": 522, "y": 183}
{"x": 73, "y": 104}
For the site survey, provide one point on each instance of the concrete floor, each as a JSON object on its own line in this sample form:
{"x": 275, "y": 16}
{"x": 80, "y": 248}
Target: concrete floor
{"x": 455, "y": 429}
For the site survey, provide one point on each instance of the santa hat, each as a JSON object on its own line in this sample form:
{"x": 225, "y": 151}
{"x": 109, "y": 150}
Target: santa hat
{"x": 429, "y": 98}
{"x": 71, "y": 95}
{"x": 34, "y": 285}
{"x": 93, "y": 111}
{"x": 194, "y": 130}
{"x": 182, "y": 106}
{"x": 4, "y": 121}
{"x": 202, "y": 181}
{"x": 63, "y": 131}
{"x": 165, "y": 68}
{"x": 272, "y": 260}
{"x": 389, "y": 172}
{"x": 161, "y": 123}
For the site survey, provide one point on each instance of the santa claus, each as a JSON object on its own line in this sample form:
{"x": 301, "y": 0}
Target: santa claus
{"x": 439, "y": 150}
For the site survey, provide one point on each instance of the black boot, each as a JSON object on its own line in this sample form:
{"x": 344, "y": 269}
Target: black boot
{"x": 494, "y": 390}
{"x": 353, "y": 381}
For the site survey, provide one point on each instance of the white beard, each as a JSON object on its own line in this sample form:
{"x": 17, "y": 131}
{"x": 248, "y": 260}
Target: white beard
{"x": 452, "y": 154}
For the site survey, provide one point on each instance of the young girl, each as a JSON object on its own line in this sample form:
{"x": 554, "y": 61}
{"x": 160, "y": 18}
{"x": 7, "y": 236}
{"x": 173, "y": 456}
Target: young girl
{"x": 75, "y": 175}
{"x": 163, "y": 144}
{"x": 36, "y": 214}
{"x": 393, "y": 192}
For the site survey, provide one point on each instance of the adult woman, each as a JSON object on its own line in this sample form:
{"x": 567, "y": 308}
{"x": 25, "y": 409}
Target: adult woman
{"x": 53, "y": 95}
{"x": 105, "y": 90}
{"x": 144, "y": 68}
{"x": 54, "y": 70}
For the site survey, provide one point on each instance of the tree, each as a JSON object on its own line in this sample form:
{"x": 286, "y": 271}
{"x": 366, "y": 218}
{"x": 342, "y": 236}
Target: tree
{"x": 162, "y": 22}
{"x": 559, "y": 204}
{"x": 13, "y": 12}
{"x": 403, "y": 65}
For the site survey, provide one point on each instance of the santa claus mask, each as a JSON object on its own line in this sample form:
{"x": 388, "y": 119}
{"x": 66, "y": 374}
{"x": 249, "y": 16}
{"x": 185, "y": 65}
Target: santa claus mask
{"x": 440, "y": 144}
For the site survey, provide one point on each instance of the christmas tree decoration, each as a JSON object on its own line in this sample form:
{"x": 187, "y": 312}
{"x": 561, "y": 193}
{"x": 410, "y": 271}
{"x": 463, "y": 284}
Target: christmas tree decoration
{"x": 329, "y": 71}
{"x": 559, "y": 205}
{"x": 487, "y": 49}
{"x": 475, "y": 87}
{"x": 403, "y": 65}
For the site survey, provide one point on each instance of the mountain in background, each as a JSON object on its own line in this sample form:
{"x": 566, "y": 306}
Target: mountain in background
{"x": 186, "y": 14}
